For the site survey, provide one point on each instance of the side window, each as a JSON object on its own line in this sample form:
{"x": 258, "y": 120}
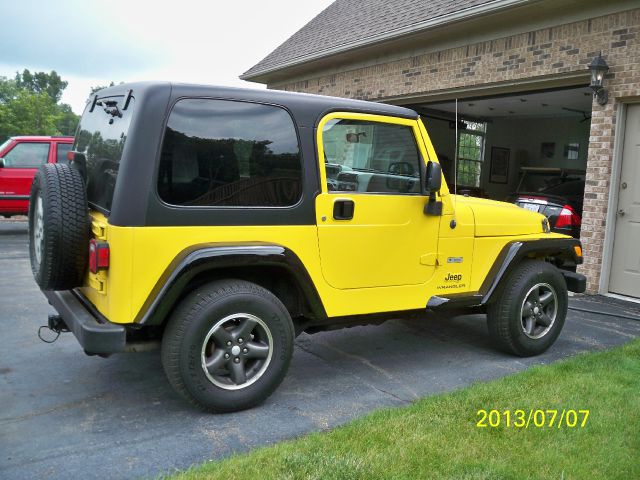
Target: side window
{"x": 228, "y": 153}
{"x": 61, "y": 155}
{"x": 27, "y": 155}
{"x": 370, "y": 157}
{"x": 470, "y": 153}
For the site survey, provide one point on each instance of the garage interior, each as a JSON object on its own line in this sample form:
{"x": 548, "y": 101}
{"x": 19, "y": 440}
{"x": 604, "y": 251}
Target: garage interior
{"x": 500, "y": 135}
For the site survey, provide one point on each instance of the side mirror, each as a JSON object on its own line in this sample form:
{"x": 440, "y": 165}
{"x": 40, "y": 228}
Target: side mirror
{"x": 1, "y": 162}
{"x": 432, "y": 184}
{"x": 352, "y": 138}
{"x": 433, "y": 180}
{"x": 355, "y": 137}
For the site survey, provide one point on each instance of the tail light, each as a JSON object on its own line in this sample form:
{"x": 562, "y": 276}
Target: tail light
{"x": 98, "y": 255}
{"x": 70, "y": 155}
{"x": 568, "y": 218}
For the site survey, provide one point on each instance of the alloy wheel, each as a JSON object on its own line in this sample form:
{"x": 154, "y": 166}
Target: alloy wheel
{"x": 539, "y": 310}
{"x": 237, "y": 351}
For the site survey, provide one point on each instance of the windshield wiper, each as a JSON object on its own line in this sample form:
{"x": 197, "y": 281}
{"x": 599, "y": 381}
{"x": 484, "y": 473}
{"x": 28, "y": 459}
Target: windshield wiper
{"x": 110, "y": 107}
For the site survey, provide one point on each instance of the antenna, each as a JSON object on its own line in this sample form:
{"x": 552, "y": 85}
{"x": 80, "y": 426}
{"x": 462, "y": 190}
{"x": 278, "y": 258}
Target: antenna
{"x": 455, "y": 165}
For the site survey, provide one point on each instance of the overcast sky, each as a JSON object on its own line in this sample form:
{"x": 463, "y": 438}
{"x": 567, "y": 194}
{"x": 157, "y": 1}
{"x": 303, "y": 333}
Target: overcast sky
{"x": 93, "y": 42}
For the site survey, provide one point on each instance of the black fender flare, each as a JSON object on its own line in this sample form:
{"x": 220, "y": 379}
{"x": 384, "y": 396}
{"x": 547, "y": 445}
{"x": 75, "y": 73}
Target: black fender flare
{"x": 215, "y": 256}
{"x": 561, "y": 249}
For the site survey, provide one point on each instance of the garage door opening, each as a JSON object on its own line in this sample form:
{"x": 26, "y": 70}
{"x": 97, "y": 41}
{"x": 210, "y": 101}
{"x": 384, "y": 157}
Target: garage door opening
{"x": 526, "y": 148}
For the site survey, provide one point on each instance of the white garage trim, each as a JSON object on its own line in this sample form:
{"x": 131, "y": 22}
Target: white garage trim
{"x": 614, "y": 182}
{"x": 611, "y": 217}
{"x": 520, "y": 86}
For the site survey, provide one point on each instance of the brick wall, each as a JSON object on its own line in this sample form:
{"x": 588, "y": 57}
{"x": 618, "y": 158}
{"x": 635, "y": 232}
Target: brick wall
{"x": 554, "y": 50}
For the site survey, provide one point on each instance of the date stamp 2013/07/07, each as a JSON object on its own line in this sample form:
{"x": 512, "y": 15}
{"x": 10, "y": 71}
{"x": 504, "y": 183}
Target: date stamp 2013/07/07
{"x": 536, "y": 418}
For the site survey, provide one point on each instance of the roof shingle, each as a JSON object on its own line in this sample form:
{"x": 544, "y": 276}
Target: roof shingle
{"x": 346, "y": 22}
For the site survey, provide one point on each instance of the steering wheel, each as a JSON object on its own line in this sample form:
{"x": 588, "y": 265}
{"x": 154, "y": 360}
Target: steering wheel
{"x": 402, "y": 168}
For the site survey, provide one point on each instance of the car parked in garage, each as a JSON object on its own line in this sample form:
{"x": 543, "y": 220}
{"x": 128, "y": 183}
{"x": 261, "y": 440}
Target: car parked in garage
{"x": 20, "y": 158}
{"x": 554, "y": 192}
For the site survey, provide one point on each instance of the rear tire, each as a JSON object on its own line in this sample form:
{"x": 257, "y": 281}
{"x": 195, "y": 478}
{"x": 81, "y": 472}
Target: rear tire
{"x": 58, "y": 227}
{"x": 530, "y": 310}
{"x": 228, "y": 345}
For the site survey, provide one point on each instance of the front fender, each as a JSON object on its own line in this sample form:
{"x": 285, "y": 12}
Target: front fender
{"x": 562, "y": 250}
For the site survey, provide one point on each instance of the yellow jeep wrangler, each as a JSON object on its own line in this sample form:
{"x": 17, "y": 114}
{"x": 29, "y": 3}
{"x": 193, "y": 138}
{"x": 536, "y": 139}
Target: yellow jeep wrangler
{"x": 223, "y": 222}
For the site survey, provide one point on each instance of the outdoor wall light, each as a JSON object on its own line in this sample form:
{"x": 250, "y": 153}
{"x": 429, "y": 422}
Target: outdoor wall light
{"x": 598, "y": 68}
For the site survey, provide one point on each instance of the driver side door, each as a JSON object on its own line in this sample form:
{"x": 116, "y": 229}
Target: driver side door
{"x": 372, "y": 229}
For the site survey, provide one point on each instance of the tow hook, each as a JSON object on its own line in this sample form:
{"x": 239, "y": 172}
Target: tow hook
{"x": 56, "y": 325}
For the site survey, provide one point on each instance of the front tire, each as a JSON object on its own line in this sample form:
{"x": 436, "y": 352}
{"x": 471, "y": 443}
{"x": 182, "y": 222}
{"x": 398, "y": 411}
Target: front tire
{"x": 529, "y": 313}
{"x": 228, "y": 345}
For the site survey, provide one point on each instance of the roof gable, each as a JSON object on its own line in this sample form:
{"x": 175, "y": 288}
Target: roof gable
{"x": 347, "y": 24}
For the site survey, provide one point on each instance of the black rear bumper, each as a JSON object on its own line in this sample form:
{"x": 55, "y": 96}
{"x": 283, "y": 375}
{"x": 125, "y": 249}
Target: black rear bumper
{"x": 96, "y": 336}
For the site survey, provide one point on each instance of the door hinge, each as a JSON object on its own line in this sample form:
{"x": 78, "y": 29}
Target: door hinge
{"x": 99, "y": 230}
{"x": 98, "y": 283}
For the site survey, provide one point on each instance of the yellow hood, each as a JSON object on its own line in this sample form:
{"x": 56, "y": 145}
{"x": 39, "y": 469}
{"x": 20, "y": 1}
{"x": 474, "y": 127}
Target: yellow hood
{"x": 494, "y": 219}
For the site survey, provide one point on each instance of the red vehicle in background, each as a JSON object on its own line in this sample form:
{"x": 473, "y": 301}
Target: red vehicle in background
{"x": 20, "y": 158}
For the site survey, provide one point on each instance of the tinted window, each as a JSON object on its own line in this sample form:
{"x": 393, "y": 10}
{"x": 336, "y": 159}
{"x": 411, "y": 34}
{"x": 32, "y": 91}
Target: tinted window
{"x": 568, "y": 188}
{"x": 63, "y": 149}
{"x": 98, "y": 145}
{"x": 225, "y": 153}
{"x": 370, "y": 157}
{"x": 27, "y": 155}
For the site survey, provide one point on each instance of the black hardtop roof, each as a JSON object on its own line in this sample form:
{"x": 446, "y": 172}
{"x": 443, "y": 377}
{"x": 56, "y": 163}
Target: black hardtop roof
{"x": 312, "y": 105}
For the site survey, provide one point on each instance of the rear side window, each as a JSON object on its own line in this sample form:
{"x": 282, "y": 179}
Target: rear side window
{"x": 229, "y": 154}
{"x": 27, "y": 155}
{"x": 63, "y": 149}
{"x": 98, "y": 145}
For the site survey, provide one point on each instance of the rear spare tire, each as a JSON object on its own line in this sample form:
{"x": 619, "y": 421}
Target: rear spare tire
{"x": 58, "y": 227}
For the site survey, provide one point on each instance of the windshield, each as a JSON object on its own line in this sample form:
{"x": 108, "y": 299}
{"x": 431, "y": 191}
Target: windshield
{"x": 98, "y": 148}
{"x": 541, "y": 182}
{"x": 573, "y": 187}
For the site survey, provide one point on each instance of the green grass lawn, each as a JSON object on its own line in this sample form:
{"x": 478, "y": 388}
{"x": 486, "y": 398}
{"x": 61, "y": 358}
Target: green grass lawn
{"x": 437, "y": 437}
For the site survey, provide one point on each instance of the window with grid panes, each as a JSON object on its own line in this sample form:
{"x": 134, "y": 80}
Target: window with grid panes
{"x": 470, "y": 153}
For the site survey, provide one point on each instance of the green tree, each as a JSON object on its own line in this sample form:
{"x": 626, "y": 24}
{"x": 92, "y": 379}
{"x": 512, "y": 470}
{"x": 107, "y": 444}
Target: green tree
{"x": 8, "y": 94}
{"x": 29, "y": 106}
{"x": 8, "y": 90}
{"x": 42, "y": 82}
{"x": 33, "y": 114}
{"x": 67, "y": 121}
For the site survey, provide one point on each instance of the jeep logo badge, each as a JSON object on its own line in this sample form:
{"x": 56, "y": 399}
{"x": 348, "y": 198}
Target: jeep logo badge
{"x": 453, "y": 277}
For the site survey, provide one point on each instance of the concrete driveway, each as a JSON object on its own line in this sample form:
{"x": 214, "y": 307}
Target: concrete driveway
{"x": 66, "y": 415}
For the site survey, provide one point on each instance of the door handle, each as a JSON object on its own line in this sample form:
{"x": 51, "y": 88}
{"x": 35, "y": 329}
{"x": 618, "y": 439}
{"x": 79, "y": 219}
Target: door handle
{"x": 621, "y": 212}
{"x": 343, "y": 209}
